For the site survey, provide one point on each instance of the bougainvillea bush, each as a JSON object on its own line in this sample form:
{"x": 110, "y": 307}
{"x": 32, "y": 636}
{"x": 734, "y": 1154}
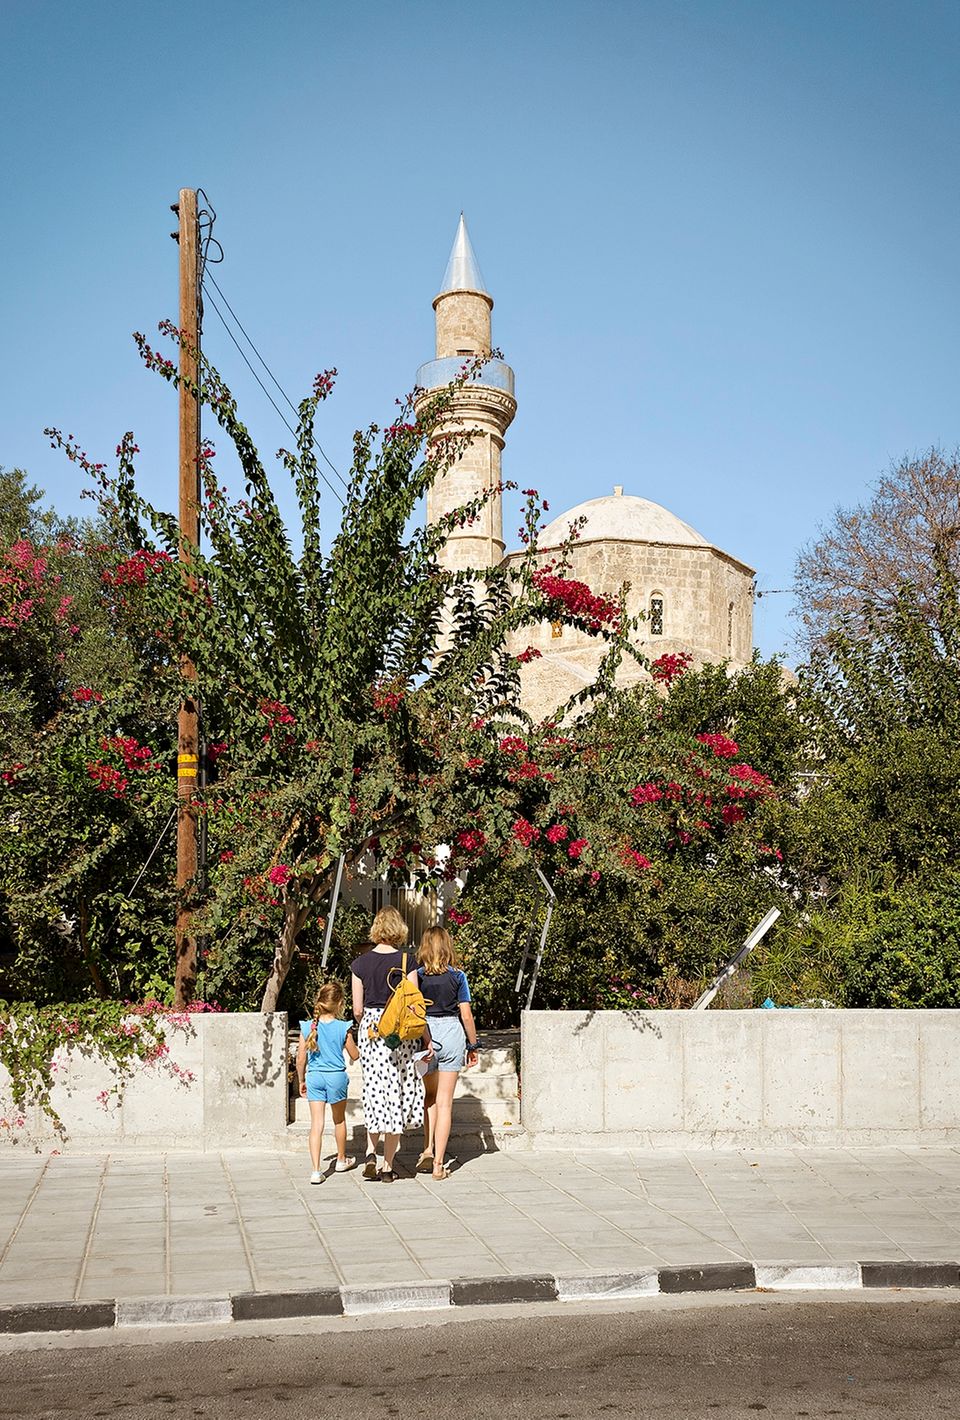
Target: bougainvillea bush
{"x": 659, "y": 839}
{"x": 85, "y": 763}
{"x": 355, "y": 700}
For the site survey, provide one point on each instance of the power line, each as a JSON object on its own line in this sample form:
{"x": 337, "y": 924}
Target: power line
{"x": 209, "y": 276}
{"x": 269, "y": 396}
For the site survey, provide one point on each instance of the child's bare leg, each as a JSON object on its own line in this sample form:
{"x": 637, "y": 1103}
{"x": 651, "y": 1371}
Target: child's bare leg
{"x": 317, "y": 1108}
{"x": 339, "y": 1114}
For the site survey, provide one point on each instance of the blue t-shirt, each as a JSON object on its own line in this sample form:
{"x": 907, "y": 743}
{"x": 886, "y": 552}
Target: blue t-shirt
{"x": 331, "y": 1037}
{"x": 445, "y": 992}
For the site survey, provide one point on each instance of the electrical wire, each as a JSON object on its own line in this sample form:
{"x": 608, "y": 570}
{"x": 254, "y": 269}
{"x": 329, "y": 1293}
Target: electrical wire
{"x": 210, "y": 253}
{"x": 269, "y": 396}
{"x": 273, "y": 377}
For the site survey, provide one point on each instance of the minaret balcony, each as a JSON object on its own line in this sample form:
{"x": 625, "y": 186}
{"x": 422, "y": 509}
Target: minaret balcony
{"x": 494, "y": 374}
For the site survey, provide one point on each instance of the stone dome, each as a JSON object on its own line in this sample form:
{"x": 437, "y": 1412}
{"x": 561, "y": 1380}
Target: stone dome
{"x": 623, "y": 517}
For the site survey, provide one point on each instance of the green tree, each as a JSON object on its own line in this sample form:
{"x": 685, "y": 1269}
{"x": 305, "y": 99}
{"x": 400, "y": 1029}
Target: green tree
{"x": 352, "y": 694}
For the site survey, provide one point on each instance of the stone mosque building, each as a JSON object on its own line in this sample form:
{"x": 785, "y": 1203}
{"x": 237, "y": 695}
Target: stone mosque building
{"x": 693, "y": 596}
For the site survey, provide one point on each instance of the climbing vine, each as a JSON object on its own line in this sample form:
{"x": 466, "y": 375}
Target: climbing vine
{"x": 35, "y": 1041}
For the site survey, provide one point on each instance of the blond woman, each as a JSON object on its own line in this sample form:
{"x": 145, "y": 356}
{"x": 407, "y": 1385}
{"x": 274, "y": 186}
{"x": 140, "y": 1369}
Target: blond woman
{"x": 453, "y": 1034}
{"x": 392, "y": 1089}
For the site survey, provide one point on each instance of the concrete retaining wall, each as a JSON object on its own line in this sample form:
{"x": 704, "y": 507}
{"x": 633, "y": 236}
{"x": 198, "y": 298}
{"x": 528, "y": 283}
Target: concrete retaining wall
{"x": 236, "y": 1098}
{"x": 748, "y": 1079}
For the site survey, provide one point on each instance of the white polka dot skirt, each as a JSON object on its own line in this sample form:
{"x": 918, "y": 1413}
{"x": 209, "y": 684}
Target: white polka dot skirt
{"x": 392, "y": 1089}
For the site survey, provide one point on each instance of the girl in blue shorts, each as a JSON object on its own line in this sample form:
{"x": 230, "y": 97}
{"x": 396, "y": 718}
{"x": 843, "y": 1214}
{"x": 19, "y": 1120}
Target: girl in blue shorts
{"x": 322, "y": 1074}
{"x": 453, "y": 1035}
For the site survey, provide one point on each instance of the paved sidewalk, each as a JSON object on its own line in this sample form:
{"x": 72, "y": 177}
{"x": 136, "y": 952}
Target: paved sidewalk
{"x": 85, "y": 1227}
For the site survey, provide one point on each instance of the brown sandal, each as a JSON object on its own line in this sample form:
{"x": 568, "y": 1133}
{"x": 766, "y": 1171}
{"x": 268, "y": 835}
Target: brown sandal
{"x": 443, "y": 1173}
{"x": 425, "y": 1162}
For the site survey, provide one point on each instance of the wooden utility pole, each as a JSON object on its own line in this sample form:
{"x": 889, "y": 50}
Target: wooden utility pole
{"x": 188, "y": 738}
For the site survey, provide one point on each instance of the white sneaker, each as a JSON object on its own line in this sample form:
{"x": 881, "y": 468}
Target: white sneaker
{"x": 342, "y": 1165}
{"x": 316, "y": 1176}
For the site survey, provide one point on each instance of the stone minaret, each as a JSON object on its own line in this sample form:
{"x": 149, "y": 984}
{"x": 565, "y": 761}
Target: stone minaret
{"x": 486, "y": 404}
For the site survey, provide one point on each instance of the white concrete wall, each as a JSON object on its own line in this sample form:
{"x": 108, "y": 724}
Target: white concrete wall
{"x": 744, "y": 1079}
{"x": 237, "y": 1098}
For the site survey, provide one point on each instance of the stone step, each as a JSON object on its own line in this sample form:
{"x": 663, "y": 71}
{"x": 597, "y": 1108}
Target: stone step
{"x": 469, "y": 1115}
{"x": 498, "y": 1094}
{"x": 499, "y": 1060}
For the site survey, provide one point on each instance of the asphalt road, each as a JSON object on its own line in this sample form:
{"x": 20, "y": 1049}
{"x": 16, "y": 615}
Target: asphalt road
{"x": 729, "y": 1361}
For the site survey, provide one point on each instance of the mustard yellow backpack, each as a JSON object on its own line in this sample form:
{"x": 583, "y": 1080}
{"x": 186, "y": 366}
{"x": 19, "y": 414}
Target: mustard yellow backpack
{"x": 405, "y": 1014}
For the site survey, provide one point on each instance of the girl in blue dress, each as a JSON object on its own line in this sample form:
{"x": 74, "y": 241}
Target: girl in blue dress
{"x": 323, "y": 1075}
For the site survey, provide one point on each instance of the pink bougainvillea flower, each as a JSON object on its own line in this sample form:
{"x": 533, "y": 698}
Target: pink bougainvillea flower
{"x": 722, "y": 746}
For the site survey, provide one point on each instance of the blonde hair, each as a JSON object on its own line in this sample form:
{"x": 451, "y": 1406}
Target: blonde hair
{"x": 327, "y": 1002}
{"x": 389, "y": 928}
{"x": 437, "y": 951}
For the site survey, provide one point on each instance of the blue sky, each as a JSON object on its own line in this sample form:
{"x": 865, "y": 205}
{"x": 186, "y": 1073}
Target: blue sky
{"x": 721, "y": 235}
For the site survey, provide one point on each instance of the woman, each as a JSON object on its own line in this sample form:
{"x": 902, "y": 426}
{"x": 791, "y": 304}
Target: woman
{"x": 454, "y": 1037}
{"x": 392, "y": 1089}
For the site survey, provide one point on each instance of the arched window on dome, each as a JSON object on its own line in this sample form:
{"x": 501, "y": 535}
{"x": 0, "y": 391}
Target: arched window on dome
{"x": 656, "y": 613}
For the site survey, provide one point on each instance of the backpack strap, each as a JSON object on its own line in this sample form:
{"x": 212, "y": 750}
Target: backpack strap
{"x": 402, "y": 968}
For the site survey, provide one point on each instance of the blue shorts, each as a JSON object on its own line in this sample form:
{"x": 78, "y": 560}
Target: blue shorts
{"x": 330, "y": 1086}
{"x": 449, "y": 1043}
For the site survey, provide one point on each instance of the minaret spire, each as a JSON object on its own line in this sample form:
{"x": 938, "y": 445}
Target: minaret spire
{"x": 463, "y": 269}
{"x": 485, "y": 405}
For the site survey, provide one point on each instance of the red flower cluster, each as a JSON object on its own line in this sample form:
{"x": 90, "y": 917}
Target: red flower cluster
{"x": 578, "y": 599}
{"x": 107, "y": 779}
{"x": 527, "y": 770}
{"x": 513, "y": 744}
{"x": 458, "y": 918}
{"x": 227, "y": 856}
{"x": 577, "y": 847}
{"x": 323, "y": 383}
{"x": 83, "y": 695}
{"x": 472, "y": 840}
{"x": 530, "y": 654}
{"x": 646, "y": 794}
{"x": 525, "y": 832}
{"x": 135, "y": 570}
{"x": 277, "y": 713}
{"x": 280, "y": 875}
{"x": 135, "y": 756}
{"x": 670, "y": 666}
{"x": 386, "y": 701}
{"x": 393, "y": 431}
{"x": 22, "y": 577}
{"x": 631, "y": 858}
{"x": 556, "y": 833}
{"x": 9, "y": 776}
{"x": 722, "y": 747}
{"x": 759, "y": 783}
{"x": 475, "y": 763}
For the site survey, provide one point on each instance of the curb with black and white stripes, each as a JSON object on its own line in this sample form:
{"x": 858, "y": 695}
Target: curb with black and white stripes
{"x": 474, "y": 1291}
